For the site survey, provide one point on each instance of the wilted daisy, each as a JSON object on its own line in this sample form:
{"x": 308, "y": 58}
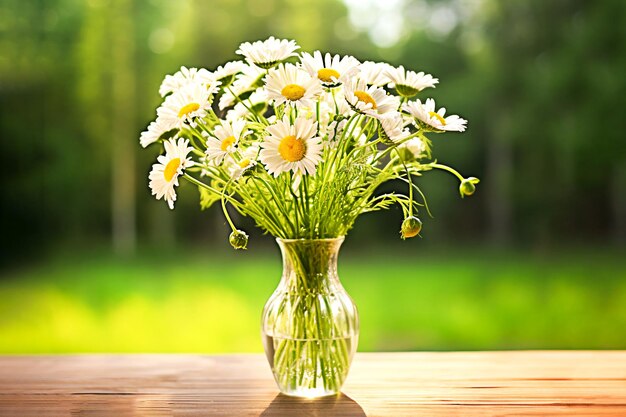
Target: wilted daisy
{"x": 225, "y": 138}
{"x": 267, "y": 53}
{"x": 186, "y": 104}
{"x": 409, "y": 83}
{"x": 374, "y": 73}
{"x": 158, "y": 129}
{"x": 392, "y": 128}
{"x": 290, "y": 84}
{"x": 173, "y": 83}
{"x": 332, "y": 71}
{"x": 428, "y": 118}
{"x": 291, "y": 147}
{"x": 165, "y": 173}
{"x": 373, "y": 101}
{"x": 225, "y": 73}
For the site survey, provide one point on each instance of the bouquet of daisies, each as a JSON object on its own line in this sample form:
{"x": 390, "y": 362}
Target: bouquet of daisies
{"x": 298, "y": 142}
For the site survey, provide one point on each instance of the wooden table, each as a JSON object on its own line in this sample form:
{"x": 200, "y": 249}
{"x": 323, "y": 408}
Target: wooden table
{"x": 539, "y": 383}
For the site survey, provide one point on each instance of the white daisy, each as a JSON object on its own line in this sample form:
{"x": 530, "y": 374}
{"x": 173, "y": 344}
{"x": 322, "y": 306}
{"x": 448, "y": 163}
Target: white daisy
{"x": 158, "y": 129}
{"x": 257, "y": 102}
{"x": 248, "y": 161}
{"x": 332, "y": 71}
{"x": 416, "y": 146}
{"x": 186, "y": 104}
{"x": 293, "y": 85}
{"x": 224, "y": 140}
{"x": 266, "y": 54}
{"x": 173, "y": 83}
{"x": 291, "y": 147}
{"x": 225, "y": 73}
{"x": 336, "y": 102}
{"x": 247, "y": 81}
{"x": 392, "y": 128}
{"x": 373, "y": 101}
{"x": 409, "y": 83}
{"x": 428, "y": 118}
{"x": 374, "y": 73}
{"x": 165, "y": 173}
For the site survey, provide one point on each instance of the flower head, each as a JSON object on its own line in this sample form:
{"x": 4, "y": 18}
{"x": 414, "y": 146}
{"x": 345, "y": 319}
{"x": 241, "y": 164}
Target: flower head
{"x": 468, "y": 186}
{"x": 224, "y": 140}
{"x": 184, "y": 77}
{"x": 165, "y": 173}
{"x": 411, "y": 227}
{"x": 332, "y": 71}
{"x": 225, "y": 73}
{"x": 238, "y": 239}
{"x": 372, "y": 100}
{"x": 409, "y": 83}
{"x": 290, "y": 84}
{"x": 159, "y": 129}
{"x": 392, "y": 129}
{"x": 374, "y": 73}
{"x": 185, "y": 105}
{"x": 291, "y": 147}
{"x": 428, "y": 118}
{"x": 268, "y": 53}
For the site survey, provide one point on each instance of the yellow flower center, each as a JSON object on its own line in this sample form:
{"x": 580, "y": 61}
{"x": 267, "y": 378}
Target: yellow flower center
{"x": 227, "y": 143}
{"x": 325, "y": 74}
{"x": 438, "y": 117}
{"x": 188, "y": 108}
{"x": 292, "y": 149}
{"x": 170, "y": 169}
{"x": 293, "y": 92}
{"x": 365, "y": 98}
{"x": 244, "y": 163}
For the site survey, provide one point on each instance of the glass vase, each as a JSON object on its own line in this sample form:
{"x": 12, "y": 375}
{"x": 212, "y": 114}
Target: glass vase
{"x": 310, "y": 325}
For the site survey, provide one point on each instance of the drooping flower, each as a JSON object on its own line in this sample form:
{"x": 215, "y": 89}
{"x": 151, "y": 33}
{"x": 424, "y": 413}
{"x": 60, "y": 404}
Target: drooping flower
{"x": 411, "y": 227}
{"x": 185, "y": 105}
{"x": 158, "y": 129}
{"x": 184, "y": 77}
{"x": 268, "y": 53}
{"x": 409, "y": 83}
{"x": 291, "y": 147}
{"x": 331, "y": 70}
{"x": 372, "y": 100}
{"x": 428, "y": 118}
{"x": 292, "y": 85}
{"x": 165, "y": 173}
{"x": 224, "y": 140}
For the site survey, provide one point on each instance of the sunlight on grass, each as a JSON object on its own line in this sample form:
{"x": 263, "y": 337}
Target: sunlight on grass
{"x": 197, "y": 304}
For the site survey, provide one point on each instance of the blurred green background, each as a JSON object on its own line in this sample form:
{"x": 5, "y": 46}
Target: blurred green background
{"x": 90, "y": 262}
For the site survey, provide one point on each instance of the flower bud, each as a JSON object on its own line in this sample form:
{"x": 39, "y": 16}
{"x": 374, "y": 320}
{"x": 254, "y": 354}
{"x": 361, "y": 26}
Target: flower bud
{"x": 468, "y": 186}
{"x": 238, "y": 239}
{"x": 411, "y": 226}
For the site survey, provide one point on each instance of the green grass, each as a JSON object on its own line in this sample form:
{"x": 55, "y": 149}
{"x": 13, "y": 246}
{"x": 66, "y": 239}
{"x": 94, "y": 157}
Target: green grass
{"x": 203, "y": 303}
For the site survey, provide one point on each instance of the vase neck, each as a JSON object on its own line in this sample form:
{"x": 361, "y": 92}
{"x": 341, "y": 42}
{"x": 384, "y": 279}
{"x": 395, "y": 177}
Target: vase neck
{"x": 309, "y": 265}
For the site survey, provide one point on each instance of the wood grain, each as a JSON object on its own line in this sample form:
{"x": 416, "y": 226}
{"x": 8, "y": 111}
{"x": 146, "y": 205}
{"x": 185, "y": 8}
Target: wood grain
{"x": 538, "y": 383}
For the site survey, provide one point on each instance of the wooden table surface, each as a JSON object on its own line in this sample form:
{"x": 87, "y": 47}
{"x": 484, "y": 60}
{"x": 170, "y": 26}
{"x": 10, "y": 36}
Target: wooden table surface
{"x": 535, "y": 383}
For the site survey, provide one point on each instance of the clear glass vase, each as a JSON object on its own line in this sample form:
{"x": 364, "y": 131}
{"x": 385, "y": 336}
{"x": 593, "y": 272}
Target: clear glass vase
{"x": 310, "y": 325}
